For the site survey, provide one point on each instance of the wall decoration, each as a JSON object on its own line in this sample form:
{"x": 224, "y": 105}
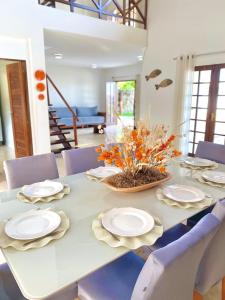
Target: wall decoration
{"x": 40, "y": 75}
{"x": 164, "y": 83}
{"x": 153, "y": 74}
{"x": 40, "y": 87}
{"x": 41, "y": 97}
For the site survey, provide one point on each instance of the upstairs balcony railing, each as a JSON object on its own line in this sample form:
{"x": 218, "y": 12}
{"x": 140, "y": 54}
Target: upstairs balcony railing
{"x": 128, "y": 12}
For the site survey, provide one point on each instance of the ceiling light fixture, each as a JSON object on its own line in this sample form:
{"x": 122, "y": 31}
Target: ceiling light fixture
{"x": 58, "y": 55}
{"x": 140, "y": 57}
{"x": 94, "y": 66}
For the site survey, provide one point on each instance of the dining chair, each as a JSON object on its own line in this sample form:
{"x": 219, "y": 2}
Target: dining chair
{"x": 9, "y": 289}
{"x": 30, "y": 169}
{"x": 168, "y": 273}
{"x": 211, "y": 151}
{"x": 80, "y": 160}
{"x": 212, "y": 266}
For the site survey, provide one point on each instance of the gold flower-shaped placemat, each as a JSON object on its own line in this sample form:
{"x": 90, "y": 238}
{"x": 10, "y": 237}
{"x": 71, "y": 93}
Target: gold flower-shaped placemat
{"x": 112, "y": 240}
{"x": 66, "y": 190}
{"x": 213, "y": 167}
{"x": 94, "y": 178}
{"x": 6, "y": 241}
{"x": 202, "y": 180}
{"x": 200, "y": 204}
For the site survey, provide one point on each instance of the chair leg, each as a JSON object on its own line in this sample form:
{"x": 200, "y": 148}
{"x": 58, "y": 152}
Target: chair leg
{"x": 197, "y": 296}
{"x": 223, "y": 288}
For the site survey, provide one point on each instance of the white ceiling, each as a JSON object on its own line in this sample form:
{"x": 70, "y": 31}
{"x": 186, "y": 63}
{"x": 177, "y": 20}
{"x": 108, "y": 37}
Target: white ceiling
{"x": 85, "y": 51}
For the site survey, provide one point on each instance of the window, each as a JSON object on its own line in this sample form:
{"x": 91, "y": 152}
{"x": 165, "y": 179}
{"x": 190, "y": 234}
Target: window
{"x": 207, "y": 121}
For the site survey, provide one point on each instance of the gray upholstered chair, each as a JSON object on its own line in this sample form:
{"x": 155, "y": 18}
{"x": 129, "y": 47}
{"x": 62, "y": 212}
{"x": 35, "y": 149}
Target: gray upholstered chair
{"x": 208, "y": 150}
{"x": 212, "y": 267}
{"x": 30, "y": 169}
{"x": 169, "y": 273}
{"x": 80, "y": 160}
{"x": 9, "y": 289}
{"x": 213, "y": 152}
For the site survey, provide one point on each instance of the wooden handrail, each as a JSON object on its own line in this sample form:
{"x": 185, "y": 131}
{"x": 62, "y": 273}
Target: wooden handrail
{"x": 74, "y": 116}
{"x": 125, "y": 10}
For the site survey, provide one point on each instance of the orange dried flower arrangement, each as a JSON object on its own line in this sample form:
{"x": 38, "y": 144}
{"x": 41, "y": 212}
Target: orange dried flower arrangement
{"x": 142, "y": 156}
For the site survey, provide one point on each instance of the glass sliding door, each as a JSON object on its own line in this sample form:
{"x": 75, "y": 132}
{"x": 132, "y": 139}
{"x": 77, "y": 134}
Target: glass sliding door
{"x": 207, "y": 121}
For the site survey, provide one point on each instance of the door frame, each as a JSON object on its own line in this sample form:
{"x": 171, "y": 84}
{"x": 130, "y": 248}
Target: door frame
{"x": 213, "y": 94}
{"x": 134, "y": 106}
{"x": 26, "y": 92}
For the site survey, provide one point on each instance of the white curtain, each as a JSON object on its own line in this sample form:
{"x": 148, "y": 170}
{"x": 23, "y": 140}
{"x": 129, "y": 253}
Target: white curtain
{"x": 184, "y": 82}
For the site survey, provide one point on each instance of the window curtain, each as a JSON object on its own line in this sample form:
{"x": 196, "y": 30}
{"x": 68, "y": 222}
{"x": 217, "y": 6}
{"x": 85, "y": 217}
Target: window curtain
{"x": 184, "y": 82}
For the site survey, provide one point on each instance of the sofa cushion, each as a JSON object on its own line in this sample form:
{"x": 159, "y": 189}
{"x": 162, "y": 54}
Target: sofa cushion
{"x": 63, "y": 112}
{"x": 87, "y": 111}
{"x": 93, "y": 120}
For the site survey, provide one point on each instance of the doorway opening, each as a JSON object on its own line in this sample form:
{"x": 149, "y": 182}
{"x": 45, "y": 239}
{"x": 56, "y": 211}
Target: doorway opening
{"x": 120, "y": 102}
{"x": 15, "y": 127}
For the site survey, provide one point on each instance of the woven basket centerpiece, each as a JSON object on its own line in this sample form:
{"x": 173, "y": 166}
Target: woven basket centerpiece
{"x": 142, "y": 155}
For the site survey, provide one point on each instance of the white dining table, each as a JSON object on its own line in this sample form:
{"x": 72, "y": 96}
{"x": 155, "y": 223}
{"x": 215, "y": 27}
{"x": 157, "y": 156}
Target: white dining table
{"x": 44, "y": 271}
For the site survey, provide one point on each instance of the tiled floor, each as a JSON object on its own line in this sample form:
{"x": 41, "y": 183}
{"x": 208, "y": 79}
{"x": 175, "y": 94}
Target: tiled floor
{"x": 86, "y": 139}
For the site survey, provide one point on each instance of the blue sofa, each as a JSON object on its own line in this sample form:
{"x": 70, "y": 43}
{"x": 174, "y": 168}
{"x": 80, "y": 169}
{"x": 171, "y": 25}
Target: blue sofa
{"x": 87, "y": 116}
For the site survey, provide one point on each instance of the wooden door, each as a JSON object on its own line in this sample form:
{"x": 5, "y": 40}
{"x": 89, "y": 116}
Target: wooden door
{"x": 17, "y": 83}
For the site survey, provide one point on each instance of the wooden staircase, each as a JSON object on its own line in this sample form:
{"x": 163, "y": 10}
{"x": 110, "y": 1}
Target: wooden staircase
{"x": 57, "y": 129}
{"x": 50, "y": 3}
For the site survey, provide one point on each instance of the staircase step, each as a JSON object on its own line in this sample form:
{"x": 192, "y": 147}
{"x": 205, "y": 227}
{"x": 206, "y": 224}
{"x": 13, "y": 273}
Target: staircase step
{"x": 56, "y": 125}
{"x": 58, "y": 132}
{"x": 54, "y": 118}
{"x": 60, "y": 141}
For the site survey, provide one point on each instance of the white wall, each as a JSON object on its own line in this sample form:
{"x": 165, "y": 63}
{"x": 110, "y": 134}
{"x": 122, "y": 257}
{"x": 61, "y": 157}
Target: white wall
{"x": 79, "y": 86}
{"x": 179, "y": 27}
{"x": 5, "y": 106}
{"x": 126, "y": 72}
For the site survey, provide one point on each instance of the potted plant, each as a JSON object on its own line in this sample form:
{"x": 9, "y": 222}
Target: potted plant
{"x": 142, "y": 156}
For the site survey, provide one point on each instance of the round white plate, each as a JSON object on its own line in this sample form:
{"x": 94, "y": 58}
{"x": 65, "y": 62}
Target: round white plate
{"x": 128, "y": 221}
{"x": 42, "y": 189}
{"x": 103, "y": 172}
{"x": 214, "y": 176}
{"x": 183, "y": 193}
{"x": 32, "y": 224}
{"x": 199, "y": 162}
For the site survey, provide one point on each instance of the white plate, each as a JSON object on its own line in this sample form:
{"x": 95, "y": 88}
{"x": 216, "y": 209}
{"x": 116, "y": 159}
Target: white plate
{"x": 199, "y": 162}
{"x": 103, "y": 172}
{"x": 128, "y": 221}
{"x": 214, "y": 176}
{"x": 183, "y": 193}
{"x": 42, "y": 189}
{"x": 32, "y": 224}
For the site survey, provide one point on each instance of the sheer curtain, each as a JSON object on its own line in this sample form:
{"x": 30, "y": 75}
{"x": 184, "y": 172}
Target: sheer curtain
{"x": 184, "y": 82}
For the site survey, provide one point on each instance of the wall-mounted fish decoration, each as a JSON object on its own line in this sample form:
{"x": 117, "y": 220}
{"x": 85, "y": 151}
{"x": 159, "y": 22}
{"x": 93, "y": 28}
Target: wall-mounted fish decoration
{"x": 153, "y": 74}
{"x": 164, "y": 83}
